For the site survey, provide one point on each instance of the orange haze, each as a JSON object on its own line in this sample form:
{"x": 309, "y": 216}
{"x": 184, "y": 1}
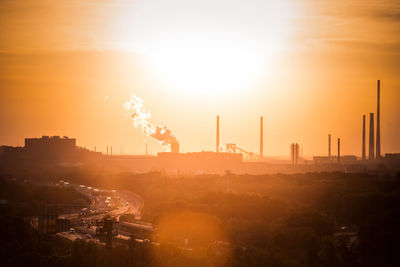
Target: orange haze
{"x": 67, "y": 68}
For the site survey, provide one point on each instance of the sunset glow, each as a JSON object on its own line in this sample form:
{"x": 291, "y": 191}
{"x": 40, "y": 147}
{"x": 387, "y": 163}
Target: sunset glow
{"x": 207, "y": 133}
{"x": 291, "y": 61}
{"x": 196, "y": 50}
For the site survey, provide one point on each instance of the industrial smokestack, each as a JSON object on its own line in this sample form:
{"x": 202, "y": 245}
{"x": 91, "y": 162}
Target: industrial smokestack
{"x": 329, "y": 145}
{"x": 378, "y": 123}
{"x": 261, "y": 138}
{"x": 141, "y": 119}
{"x": 363, "y": 139}
{"x": 338, "y": 150}
{"x": 175, "y": 146}
{"x": 371, "y": 136}
{"x": 294, "y": 153}
{"x": 217, "y": 143}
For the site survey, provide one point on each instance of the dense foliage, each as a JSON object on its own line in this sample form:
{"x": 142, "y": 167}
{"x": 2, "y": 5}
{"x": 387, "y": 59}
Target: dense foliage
{"x": 321, "y": 219}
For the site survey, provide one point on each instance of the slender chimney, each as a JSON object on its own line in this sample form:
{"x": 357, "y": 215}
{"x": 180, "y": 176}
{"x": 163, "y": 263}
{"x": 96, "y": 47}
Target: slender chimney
{"x": 217, "y": 144}
{"x": 261, "y": 138}
{"x": 111, "y": 151}
{"x": 338, "y": 150}
{"x": 371, "y": 136}
{"x": 378, "y": 123}
{"x": 363, "y": 139}
{"x": 107, "y": 151}
{"x": 292, "y": 153}
{"x": 329, "y": 145}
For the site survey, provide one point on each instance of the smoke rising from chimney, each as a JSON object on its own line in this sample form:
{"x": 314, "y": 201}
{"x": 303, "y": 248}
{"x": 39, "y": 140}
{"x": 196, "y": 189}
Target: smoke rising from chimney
{"x": 141, "y": 119}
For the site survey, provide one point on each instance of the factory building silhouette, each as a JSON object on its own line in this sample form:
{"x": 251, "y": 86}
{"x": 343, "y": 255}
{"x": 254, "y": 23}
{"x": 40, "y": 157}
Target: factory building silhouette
{"x": 63, "y": 150}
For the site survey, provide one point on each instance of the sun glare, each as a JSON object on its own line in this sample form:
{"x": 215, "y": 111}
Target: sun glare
{"x": 210, "y": 47}
{"x": 203, "y": 69}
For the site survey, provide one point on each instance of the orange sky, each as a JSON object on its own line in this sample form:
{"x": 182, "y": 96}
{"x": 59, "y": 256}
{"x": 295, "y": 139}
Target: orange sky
{"x": 309, "y": 67}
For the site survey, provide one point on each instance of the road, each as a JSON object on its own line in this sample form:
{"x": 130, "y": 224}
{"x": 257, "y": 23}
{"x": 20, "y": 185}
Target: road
{"x": 111, "y": 202}
{"x": 103, "y": 202}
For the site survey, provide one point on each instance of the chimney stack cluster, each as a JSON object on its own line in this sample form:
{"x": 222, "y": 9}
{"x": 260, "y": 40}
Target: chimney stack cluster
{"x": 372, "y": 152}
{"x": 217, "y": 145}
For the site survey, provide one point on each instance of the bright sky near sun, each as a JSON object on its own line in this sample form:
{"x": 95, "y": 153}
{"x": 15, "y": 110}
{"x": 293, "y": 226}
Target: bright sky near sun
{"x": 309, "y": 67}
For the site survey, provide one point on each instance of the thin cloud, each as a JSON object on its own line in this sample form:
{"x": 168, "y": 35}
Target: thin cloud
{"x": 380, "y": 47}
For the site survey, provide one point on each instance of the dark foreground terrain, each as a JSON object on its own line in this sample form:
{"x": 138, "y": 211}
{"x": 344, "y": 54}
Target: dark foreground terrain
{"x": 321, "y": 219}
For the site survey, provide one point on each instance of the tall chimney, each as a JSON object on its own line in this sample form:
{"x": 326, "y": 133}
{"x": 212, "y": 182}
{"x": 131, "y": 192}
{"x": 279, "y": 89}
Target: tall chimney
{"x": 261, "y": 138}
{"x": 329, "y": 145}
{"x": 371, "y": 136}
{"x": 175, "y": 147}
{"x": 107, "y": 151}
{"x": 378, "y": 123}
{"x": 294, "y": 153}
{"x": 217, "y": 144}
{"x": 363, "y": 139}
{"x": 338, "y": 150}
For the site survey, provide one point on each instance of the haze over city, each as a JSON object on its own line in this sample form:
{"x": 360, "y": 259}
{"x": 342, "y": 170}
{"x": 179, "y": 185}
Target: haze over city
{"x": 213, "y": 133}
{"x": 309, "y": 67}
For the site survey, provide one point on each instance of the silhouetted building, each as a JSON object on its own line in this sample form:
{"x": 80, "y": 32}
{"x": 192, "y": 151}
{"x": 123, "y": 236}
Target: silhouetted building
{"x": 348, "y": 159}
{"x": 203, "y": 162}
{"x": 11, "y": 151}
{"x": 50, "y": 147}
{"x": 323, "y": 159}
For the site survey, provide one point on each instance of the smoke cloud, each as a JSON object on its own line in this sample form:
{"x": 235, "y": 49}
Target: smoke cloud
{"x": 141, "y": 119}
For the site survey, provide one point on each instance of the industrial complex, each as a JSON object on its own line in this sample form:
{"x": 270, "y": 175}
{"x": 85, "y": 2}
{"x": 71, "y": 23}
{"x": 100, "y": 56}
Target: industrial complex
{"x": 232, "y": 158}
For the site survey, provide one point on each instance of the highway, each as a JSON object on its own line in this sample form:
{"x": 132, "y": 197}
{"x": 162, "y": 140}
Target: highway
{"x": 107, "y": 202}
{"x": 102, "y": 202}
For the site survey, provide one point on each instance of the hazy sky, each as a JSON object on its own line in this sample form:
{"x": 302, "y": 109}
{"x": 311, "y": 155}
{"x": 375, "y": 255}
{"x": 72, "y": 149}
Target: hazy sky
{"x": 309, "y": 67}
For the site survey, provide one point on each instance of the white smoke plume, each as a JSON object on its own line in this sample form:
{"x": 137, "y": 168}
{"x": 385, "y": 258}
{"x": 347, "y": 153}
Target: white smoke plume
{"x": 141, "y": 119}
